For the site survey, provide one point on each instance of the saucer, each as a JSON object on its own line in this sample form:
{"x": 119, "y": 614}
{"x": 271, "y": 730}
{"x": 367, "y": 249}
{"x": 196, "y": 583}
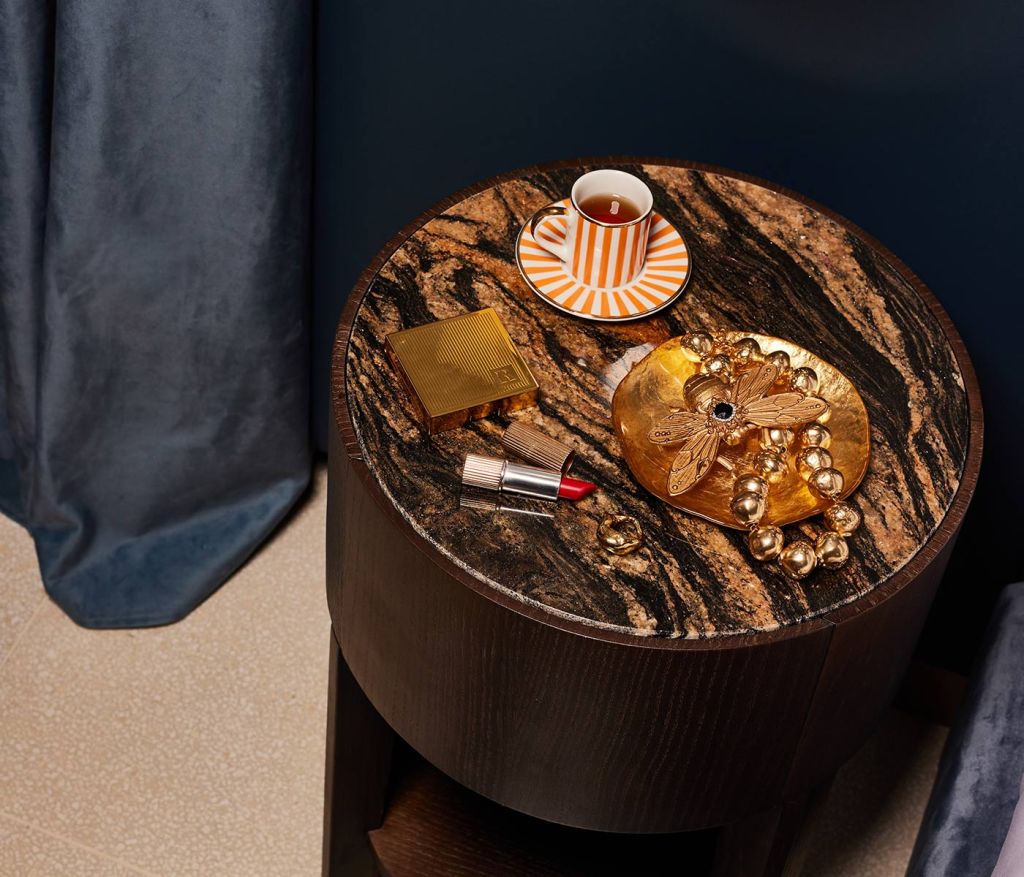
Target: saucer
{"x": 660, "y": 282}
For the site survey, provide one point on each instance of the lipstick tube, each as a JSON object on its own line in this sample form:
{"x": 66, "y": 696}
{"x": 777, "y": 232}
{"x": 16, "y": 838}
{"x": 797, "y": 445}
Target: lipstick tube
{"x": 530, "y": 444}
{"x": 503, "y": 476}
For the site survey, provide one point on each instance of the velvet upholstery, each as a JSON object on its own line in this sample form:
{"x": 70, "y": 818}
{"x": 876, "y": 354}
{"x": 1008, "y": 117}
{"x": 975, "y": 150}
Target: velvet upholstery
{"x": 154, "y": 191}
{"x": 979, "y": 781}
{"x": 1011, "y": 856}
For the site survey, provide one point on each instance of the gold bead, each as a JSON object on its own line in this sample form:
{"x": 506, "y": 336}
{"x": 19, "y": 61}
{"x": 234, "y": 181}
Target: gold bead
{"x": 746, "y": 350}
{"x": 747, "y": 508}
{"x": 770, "y": 465}
{"x": 812, "y": 459}
{"x": 750, "y": 484}
{"x": 719, "y": 365}
{"x": 816, "y": 435}
{"x": 804, "y": 379}
{"x": 765, "y": 543}
{"x": 798, "y": 559}
{"x": 701, "y": 390}
{"x": 827, "y": 483}
{"x": 831, "y": 549}
{"x": 843, "y": 518}
{"x": 696, "y": 345}
{"x": 780, "y": 359}
{"x": 735, "y": 436}
{"x": 776, "y": 438}
{"x": 620, "y": 534}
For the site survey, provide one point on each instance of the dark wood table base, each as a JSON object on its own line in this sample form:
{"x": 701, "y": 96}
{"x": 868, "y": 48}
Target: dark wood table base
{"x": 389, "y": 813}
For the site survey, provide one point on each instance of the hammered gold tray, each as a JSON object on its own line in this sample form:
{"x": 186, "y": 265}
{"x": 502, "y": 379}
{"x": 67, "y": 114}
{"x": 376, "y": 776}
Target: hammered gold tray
{"x": 654, "y": 388}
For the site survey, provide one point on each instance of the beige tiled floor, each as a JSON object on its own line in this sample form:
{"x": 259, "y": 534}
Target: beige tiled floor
{"x": 191, "y": 749}
{"x": 197, "y": 749}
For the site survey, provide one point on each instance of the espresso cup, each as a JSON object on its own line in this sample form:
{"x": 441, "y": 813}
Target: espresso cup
{"x": 600, "y": 254}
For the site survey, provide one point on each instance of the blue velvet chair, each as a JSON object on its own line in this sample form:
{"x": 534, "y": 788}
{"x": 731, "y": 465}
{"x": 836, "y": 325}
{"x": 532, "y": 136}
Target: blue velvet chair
{"x": 979, "y": 778}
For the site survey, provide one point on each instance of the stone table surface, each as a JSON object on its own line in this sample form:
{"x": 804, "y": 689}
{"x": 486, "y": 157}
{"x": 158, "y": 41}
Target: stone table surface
{"x": 762, "y": 261}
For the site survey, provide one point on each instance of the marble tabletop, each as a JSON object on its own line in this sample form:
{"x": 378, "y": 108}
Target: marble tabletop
{"x": 762, "y": 261}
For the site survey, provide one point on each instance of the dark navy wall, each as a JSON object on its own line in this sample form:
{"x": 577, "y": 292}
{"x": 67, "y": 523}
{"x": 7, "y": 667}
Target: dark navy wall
{"x": 906, "y": 118}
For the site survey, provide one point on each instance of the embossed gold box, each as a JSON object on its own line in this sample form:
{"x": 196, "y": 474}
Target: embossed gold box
{"x": 461, "y": 369}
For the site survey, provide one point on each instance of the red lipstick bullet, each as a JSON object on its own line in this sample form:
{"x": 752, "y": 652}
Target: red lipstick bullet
{"x": 574, "y": 489}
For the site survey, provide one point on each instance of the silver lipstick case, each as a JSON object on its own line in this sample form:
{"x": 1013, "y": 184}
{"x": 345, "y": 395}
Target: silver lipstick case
{"x": 503, "y": 476}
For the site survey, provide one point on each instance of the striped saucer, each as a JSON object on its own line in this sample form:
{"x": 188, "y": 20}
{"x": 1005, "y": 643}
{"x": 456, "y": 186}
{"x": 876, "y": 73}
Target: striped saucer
{"x": 660, "y": 282}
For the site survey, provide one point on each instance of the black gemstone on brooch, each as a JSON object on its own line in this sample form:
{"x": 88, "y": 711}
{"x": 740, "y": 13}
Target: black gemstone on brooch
{"x": 723, "y": 411}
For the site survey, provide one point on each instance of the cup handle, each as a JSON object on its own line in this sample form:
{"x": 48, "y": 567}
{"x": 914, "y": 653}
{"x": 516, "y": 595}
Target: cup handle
{"x": 559, "y": 251}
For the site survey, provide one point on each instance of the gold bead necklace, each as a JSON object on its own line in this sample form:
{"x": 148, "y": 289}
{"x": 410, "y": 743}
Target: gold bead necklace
{"x": 729, "y": 398}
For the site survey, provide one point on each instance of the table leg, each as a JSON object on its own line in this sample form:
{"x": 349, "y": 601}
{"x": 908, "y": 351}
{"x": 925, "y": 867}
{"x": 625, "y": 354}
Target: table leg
{"x": 359, "y": 746}
{"x": 759, "y": 846}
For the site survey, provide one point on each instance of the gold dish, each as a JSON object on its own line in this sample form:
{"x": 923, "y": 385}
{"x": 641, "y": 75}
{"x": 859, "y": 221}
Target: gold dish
{"x": 653, "y": 389}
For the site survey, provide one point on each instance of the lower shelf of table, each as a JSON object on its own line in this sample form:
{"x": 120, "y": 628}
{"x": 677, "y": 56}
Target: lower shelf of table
{"x": 433, "y": 826}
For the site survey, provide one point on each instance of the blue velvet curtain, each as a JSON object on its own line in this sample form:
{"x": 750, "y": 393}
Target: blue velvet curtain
{"x": 154, "y": 237}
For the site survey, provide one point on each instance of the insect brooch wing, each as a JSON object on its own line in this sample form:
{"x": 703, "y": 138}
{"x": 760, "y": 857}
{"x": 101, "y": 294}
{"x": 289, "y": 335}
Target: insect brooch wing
{"x": 784, "y": 409}
{"x": 698, "y": 451}
{"x": 753, "y": 383}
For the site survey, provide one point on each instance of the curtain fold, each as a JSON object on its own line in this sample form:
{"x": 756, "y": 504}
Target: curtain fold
{"x": 155, "y": 163}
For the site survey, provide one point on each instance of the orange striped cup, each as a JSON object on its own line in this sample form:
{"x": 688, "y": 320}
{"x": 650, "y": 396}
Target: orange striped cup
{"x": 596, "y": 253}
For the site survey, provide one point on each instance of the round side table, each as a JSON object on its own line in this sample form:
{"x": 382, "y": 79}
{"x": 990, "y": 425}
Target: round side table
{"x": 680, "y": 688}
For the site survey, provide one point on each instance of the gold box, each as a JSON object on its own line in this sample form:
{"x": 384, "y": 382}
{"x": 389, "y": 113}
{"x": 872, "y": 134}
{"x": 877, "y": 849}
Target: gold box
{"x": 461, "y": 369}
